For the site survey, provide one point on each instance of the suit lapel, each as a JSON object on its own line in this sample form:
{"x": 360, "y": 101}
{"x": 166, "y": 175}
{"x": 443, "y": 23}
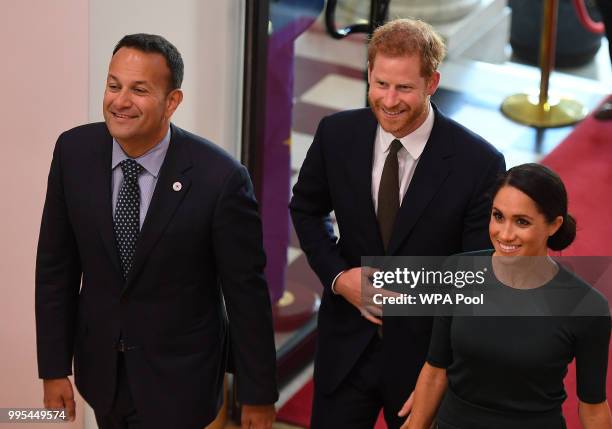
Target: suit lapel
{"x": 166, "y": 198}
{"x": 431, "y": 171}
{"x": 100, "y": 176}
{"x": 360, "y": 168}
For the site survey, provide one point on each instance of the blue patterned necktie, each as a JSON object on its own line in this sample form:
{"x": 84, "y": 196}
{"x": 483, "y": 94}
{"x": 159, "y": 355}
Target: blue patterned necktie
{"x": 127, "y": 214}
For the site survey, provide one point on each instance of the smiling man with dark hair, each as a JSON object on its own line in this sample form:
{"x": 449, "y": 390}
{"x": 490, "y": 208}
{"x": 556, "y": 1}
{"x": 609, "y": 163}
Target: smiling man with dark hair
{"x": 150, "y": 242}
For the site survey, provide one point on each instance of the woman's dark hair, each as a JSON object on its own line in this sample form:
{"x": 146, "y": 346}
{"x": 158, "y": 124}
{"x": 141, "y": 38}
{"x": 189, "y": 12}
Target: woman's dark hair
{"x": 152, "y": 43}
{"x": 547, "y": 190}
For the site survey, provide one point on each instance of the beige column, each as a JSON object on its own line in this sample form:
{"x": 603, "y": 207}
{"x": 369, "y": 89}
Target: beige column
{"x": 43, "y": 82}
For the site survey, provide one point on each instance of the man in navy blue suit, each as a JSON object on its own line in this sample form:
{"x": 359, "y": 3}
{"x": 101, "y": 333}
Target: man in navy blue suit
{"x": 402, "y": 179}
{"x": 150, "y": 242}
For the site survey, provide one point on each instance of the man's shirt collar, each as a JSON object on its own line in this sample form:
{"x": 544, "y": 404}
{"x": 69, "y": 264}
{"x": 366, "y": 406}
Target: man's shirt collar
{"x": 414, "y": 142}
{"x": 151, "y": 161}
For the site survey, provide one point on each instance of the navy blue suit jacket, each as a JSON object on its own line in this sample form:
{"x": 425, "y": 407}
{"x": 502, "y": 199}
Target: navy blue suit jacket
{"x": 445, "y": 210}
{"x": 197, "y": 246}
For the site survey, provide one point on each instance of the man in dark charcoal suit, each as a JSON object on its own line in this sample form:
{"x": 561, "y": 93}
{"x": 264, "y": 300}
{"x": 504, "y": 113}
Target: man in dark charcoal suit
{"x": 160, "y": 229}
{"x": 402, "y": 179}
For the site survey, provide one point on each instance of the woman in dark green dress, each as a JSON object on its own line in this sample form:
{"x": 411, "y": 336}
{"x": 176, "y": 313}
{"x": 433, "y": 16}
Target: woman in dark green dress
{"x": 507, "y": 372}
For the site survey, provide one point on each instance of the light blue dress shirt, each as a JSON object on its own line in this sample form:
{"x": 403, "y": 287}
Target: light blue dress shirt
{"x": 151, "y": 161}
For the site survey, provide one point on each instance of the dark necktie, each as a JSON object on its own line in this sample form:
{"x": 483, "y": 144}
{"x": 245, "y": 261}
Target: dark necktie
{"x": 127, "y": 214}
{"x": 388, "y": 194}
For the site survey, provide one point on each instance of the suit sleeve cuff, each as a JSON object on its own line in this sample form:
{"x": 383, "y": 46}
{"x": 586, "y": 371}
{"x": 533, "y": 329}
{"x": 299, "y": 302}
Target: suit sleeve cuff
{"x": 333, "y": 284}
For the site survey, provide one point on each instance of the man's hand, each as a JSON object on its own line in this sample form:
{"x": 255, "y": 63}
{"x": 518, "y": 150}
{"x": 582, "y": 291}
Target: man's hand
{"x": 257, "y": 416}
{"x": 58, "y": 393}
{"x": 355, "y": 286}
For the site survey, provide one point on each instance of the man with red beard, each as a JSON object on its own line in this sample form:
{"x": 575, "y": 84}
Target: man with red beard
{"x": 402, "y": 179}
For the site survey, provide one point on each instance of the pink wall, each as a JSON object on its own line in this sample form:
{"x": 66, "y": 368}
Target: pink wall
{"x": 43, "y": 85}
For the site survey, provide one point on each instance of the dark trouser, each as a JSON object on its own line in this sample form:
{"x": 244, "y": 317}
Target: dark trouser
{"x": 123, "y": 413}
{"x": 356, "y": 403}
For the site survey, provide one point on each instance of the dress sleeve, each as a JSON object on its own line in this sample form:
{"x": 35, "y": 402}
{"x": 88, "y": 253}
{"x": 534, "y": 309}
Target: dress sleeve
{"x": 592, "y": 346}
{"x": 440, "y": 352}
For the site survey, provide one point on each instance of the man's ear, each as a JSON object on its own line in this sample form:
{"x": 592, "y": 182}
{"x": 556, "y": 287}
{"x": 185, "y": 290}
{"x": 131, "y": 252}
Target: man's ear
{"x": 173, "y": 99}
{"x": 369, "y": 72}
{"x": 433, "y": 82}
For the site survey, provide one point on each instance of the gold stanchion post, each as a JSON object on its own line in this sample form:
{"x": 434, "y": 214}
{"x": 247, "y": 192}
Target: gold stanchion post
{"x": 544, "y": 111}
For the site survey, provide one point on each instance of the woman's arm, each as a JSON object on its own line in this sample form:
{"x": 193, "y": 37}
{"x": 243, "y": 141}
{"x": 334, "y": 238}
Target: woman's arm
{"x": 592, "y": 347}
{"x": 428, "y": 393}
{"x": 595, "y": 416}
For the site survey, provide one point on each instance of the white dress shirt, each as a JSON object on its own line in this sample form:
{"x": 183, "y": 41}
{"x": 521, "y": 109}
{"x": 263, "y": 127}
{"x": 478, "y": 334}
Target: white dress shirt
{"x": 408, "y": 156}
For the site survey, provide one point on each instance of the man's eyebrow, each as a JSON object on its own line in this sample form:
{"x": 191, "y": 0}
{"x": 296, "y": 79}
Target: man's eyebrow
{"x": 137, "y": 82}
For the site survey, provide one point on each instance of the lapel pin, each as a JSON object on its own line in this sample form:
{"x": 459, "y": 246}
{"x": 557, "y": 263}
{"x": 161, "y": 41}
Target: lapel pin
{"x": 177, "y": 186}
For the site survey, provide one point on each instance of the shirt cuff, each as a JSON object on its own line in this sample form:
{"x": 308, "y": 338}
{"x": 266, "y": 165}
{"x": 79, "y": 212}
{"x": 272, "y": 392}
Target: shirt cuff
{"x": 333, "y": 285}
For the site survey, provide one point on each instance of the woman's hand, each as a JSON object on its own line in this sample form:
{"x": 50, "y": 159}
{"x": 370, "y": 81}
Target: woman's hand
{"x": 428, "y": 394}
{"x": 407, "y": 407}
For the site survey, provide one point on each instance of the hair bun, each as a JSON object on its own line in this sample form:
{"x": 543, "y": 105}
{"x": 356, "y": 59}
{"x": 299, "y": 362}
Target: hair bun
{"x": 565, "y": 235}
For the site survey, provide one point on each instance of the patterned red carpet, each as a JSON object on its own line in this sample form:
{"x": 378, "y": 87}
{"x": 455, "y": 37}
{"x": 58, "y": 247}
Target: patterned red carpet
{"x": 584, "y": 162}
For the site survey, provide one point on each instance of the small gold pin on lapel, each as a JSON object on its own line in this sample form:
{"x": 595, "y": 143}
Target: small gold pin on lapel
{"x": 177, "y": 186}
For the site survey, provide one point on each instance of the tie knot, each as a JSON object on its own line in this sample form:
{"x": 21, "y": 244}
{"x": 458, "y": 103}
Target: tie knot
{"x": 396, "y": 145}
{"x": 131, "y": 169}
